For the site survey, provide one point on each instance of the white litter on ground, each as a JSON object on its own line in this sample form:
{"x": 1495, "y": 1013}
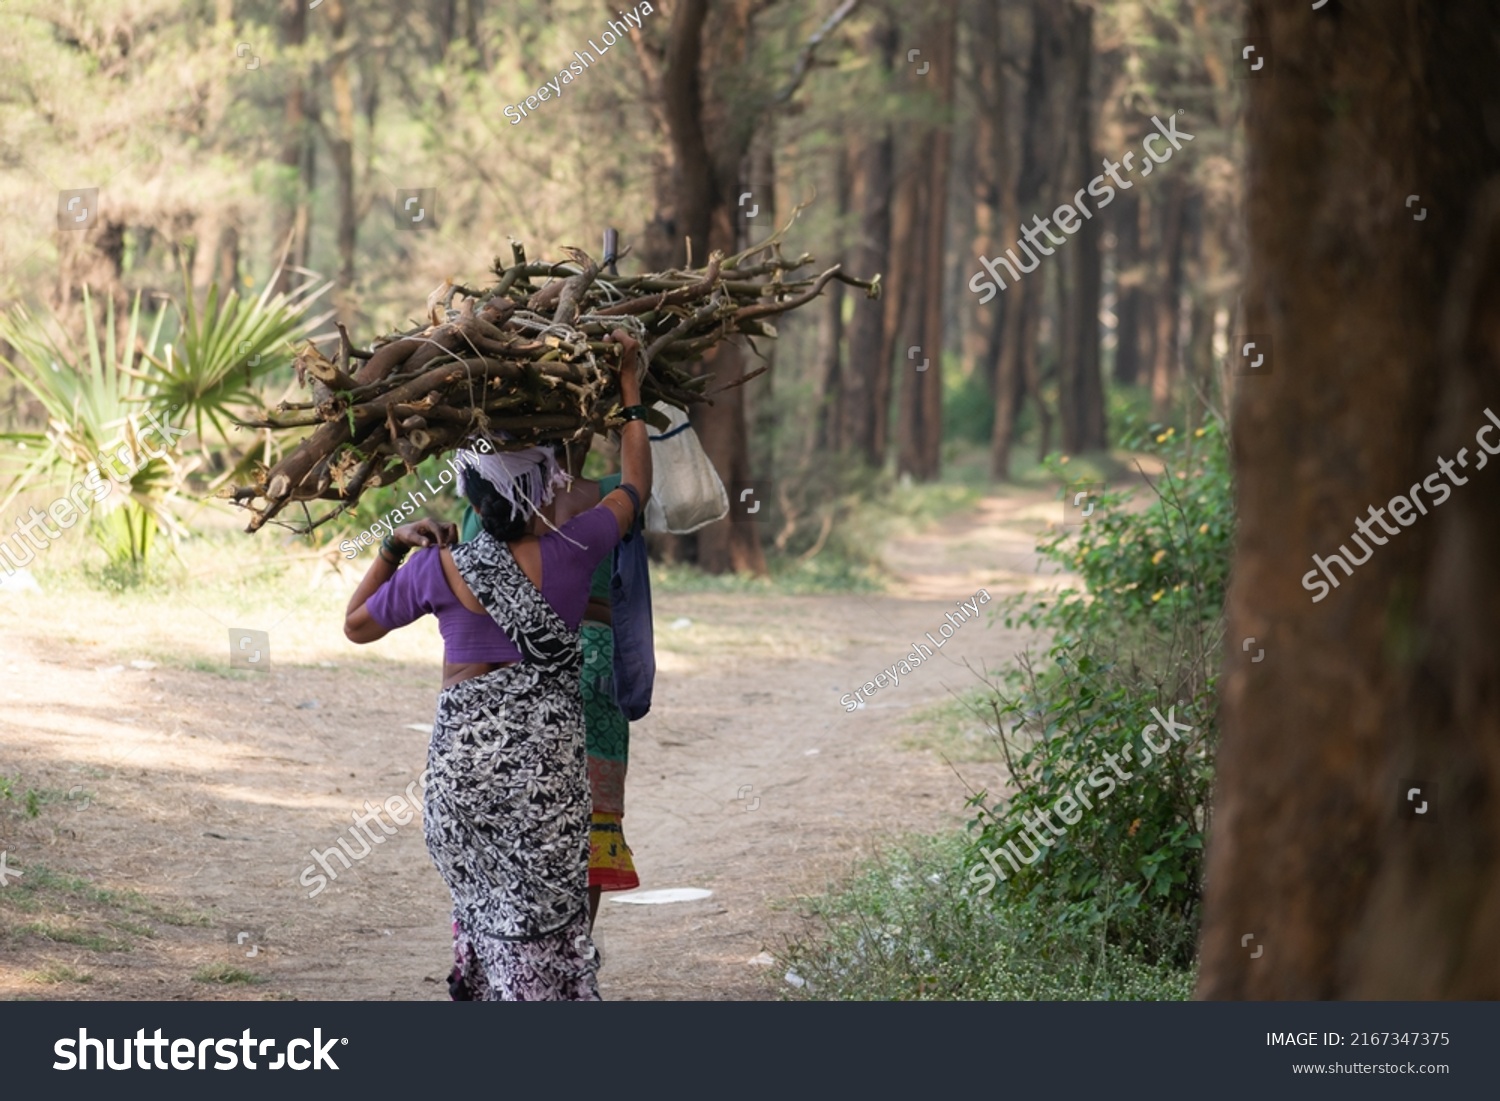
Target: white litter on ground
{"x": 665, "y": 894}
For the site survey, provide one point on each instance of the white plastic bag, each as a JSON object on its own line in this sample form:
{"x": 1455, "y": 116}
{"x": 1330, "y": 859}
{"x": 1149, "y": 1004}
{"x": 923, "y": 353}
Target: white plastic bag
{"x": 686, "y": 493}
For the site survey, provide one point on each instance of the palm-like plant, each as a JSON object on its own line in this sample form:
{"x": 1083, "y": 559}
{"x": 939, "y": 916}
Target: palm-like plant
{"x": 222, "y": 352}
{"x": 92, "y": 394}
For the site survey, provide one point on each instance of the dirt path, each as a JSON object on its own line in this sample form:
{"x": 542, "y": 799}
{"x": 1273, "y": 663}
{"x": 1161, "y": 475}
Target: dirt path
{"x": 206, "y": 793}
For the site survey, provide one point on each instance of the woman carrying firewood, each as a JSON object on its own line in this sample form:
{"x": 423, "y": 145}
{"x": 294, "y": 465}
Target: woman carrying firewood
{"x": 507, "y": 809}
{"x": 607, "y": 729}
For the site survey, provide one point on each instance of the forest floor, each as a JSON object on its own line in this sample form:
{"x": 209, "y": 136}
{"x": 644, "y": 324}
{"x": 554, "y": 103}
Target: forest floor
{"x": 161, "y": 808}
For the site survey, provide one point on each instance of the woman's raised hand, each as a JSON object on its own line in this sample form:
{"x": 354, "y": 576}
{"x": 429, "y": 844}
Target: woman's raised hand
{"x": 630, "y": 379}
{"x": 426, "y": 533}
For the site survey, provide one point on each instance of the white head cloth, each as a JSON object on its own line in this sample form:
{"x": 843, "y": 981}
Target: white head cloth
{"x": 528, "y": 478}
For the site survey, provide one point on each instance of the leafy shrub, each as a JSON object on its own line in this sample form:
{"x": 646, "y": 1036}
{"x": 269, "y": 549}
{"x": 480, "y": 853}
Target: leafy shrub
{"x": 1145, "y": 631}
{"x": 907, "y": 927}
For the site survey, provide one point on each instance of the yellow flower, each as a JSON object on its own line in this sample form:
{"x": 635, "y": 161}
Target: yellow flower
{"x": 1202, "y": 529}
{"x": 1157, "y": 557}
{"x": 1162, "y": 438}
{"x": 1200, "y": 433}
{"x": 1157, "y": 595}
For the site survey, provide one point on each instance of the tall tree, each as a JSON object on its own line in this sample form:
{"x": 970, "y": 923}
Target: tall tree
{"x": 712, "y": 108}
{"x": 993, "y": 182}
{"x": 709, "y": 162}
{"x": 1080, "y": 387}
{"x": 1041, "y": 147}
{"x": 295, "y": 184}
{"x": 1386, "y": 358}
{"x": 1167, "y": 213}
{"x": 340, "y": 139}
{"x": 1132, "y": 306}
{"x": 923, "y": 194}
{"x": 865, "y": 405}
{"x": 831, "y": 365}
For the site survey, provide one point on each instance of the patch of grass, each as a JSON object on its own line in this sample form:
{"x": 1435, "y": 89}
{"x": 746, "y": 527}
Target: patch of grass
{"x": 958, "y": 729}
{"x": 827, "y": 573}
{"x": 58, "y": 908}
{"x": 225, "y": 974}
{"x": 56, "y": 973}
{"x": 30, "y": 803}
{"x": 62, "y": 934}
{"x": 906, "y": 928}
{"x": 39, "y": 878}
{"x": 135, "y": 929}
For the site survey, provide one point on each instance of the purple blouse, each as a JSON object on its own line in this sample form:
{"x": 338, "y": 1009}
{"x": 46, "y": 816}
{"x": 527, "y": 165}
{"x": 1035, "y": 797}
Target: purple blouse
{"x": 419, "y": 588}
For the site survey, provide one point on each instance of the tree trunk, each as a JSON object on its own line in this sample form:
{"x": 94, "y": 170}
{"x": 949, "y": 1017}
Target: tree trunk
{"x": 831, "y": 329}
{"x": 994, "y": 185}
{"x": 1080, "y": 388}
{"x": 706, "y": 215}
{"x": 341, "y": 146}
{"x": 1386, "y": 357}
{"x": 1129, "y": 304}
{"x": 1018, "y": 372}
{"x": 291, "y": 220}
{"x": 866, "y": 405}
{"x": 919, "y": 420}
{"x": 1168, "y": 297}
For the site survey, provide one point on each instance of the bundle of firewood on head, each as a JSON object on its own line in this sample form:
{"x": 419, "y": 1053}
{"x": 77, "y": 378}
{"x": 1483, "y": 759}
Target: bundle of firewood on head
{"x": 517, "y": 364}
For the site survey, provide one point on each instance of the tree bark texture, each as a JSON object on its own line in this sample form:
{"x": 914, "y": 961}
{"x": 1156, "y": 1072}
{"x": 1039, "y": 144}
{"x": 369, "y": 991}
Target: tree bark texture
{"x": 1168, "y": 294}
{"x": 1386, "y": 334}
{"x": 865, "y": 405}
{"x": 919, "y": 414}
{"x": 1080, "y": 388}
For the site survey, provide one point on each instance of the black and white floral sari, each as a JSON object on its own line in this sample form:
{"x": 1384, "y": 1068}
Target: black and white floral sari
{"x": 507, "y": 810}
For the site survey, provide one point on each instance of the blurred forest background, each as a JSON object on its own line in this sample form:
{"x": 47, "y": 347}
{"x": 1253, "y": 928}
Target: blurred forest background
{"x": 248, "y": 157}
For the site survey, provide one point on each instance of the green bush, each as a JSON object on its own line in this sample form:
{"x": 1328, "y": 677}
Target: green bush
{"x": 1144, "y": 632}
{"x": 908, "y": 928}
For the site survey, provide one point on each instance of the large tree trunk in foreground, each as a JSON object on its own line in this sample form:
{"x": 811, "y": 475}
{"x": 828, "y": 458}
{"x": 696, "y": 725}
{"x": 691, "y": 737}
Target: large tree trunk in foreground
{"x": 1386, "y": 354}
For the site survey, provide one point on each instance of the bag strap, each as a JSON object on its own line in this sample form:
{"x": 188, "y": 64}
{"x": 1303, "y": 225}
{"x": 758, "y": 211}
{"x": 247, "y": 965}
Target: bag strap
{"x": 635, "y": 499}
